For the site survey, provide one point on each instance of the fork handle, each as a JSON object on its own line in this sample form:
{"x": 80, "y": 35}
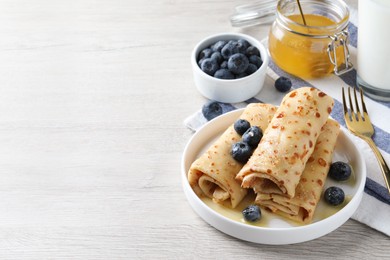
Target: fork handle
{"x": 382, "y": 163}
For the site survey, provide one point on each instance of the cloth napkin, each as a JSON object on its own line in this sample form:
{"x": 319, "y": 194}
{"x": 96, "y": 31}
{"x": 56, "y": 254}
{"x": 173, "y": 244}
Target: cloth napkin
{"x": 374, "y": 209}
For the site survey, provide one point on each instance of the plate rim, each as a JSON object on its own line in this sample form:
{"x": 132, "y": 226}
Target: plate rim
{"x": 351, "y": 206}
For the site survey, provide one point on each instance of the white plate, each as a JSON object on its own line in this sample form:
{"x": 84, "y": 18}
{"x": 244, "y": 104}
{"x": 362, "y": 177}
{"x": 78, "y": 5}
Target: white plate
{"x": 277, "y": 231}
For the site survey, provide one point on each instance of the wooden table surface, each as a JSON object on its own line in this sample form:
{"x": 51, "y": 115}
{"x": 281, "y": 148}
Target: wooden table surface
{"x": 93, "y": 95}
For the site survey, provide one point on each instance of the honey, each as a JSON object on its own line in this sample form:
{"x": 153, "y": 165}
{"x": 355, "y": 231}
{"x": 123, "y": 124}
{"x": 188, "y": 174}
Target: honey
{"x": 269, "y": 219}
{"x": 312, "y": 50}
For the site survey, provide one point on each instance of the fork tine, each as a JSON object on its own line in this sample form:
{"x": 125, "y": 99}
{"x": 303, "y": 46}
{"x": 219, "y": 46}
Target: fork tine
{"x": 345, "y": 104}
{"x": 363, "y": 128}
{"x": 365, "y": 113}
{"x": 358, "y": 115}
{"x": 356, "y": 102}
{"x": 353, "y": 115}
{"x": 363, "y": 104}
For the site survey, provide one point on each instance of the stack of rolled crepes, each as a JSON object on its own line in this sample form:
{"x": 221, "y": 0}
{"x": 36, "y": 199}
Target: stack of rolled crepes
{"x": 301, "y": 207}
{"x": 288, "y": 169}
{"x": 213, "y": 174}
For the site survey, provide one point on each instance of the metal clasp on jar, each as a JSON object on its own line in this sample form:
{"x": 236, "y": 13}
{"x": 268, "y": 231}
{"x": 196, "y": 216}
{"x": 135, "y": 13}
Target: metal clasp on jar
{"x": 339, "y": 39}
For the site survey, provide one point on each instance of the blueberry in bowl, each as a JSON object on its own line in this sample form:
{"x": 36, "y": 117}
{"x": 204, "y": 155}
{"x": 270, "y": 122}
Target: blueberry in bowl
{"x": 229, "y": 67}
{"x": 223, "y": 74}
{"x": 238, "y": 63}
{"x": 209, "y": 66}
{"x": 235, "y": 55}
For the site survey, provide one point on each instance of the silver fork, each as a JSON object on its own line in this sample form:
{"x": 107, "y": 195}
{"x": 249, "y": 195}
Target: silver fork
{"x": 360, "y": 125}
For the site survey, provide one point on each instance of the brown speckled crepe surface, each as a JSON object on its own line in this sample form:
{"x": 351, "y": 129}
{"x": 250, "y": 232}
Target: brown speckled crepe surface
{"x": 301, "y": 207}
{"x": 278, "y": 162}
{"x": 213, "y": 173}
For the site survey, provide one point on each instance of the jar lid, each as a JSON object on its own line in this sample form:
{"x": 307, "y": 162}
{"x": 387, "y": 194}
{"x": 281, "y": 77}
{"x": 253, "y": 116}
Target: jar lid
{"x": 260, "y": 12}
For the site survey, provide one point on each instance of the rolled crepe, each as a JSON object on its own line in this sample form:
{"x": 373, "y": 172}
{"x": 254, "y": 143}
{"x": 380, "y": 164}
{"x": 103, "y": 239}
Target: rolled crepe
{"x": 308, "y": 192}
{"x": 279, "y": 160}
{"x": 213, "y": 174}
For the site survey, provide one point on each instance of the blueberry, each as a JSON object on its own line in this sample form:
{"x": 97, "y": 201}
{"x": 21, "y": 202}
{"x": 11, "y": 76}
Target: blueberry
{"x": 241, "y": 47}
{"x": 283, "y": 84}
{"x": 252, "y": 213}
{"x": 254, "y": 59}
{"x": 252, "y": 136}
{"x": 218, "y": 46}
{"x": 252, "y": 50}
{"x": 223, "y": 74}
{"x": 241, "y": 152}
{"x": 251, "y": 69}
{"x": 200, "y": 62}
{"x": 209, "y": 66}
{"x": 229, "y": 49}
{"x": 241, "y": 75}
{"x": 340, "y": 171}
{"x": 238, "y": 63}
{"x": 206, "y": 53}
{"x": 334, "y": 196}
{"x": 217, "y": 57}
{"x": 243, "y": 44}
{"x": 211, "y": 110}
{"x": 224, "y": 65}
{"x": 241, "y": 125}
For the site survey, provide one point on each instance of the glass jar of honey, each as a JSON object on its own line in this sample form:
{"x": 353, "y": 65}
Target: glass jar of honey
{"x": 314, "y": 45}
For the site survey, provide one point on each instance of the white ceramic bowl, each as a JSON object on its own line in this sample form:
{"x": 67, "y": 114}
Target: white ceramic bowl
{"x": 278, "y": 231}
{"x": 232, "y": 90}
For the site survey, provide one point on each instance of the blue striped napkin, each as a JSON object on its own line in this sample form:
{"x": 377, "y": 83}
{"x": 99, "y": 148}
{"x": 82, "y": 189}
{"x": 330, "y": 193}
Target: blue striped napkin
{"x": 374, "y": 209}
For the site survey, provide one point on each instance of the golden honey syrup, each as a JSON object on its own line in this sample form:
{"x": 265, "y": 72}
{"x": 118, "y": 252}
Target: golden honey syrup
{"x": 304, "y": 56}
{"x": 323, "y": 211}
{"x": 269, "y": 219}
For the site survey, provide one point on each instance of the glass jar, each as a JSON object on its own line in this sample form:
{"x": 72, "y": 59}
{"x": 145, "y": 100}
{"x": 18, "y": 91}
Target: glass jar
{"x": 316, "y": 49}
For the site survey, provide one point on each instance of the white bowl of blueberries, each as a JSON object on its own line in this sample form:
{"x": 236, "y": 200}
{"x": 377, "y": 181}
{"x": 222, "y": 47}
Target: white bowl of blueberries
{"x": 229, "y": 67}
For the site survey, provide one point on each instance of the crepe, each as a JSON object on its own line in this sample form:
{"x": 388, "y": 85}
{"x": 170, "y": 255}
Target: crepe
{"x": 308, "y": 192}
{"x": 277, "y": 163}
{"x": 213, "y": 174}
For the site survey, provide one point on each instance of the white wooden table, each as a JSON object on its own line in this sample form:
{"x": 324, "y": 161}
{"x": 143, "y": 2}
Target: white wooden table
{"x": 93, "y": 95}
